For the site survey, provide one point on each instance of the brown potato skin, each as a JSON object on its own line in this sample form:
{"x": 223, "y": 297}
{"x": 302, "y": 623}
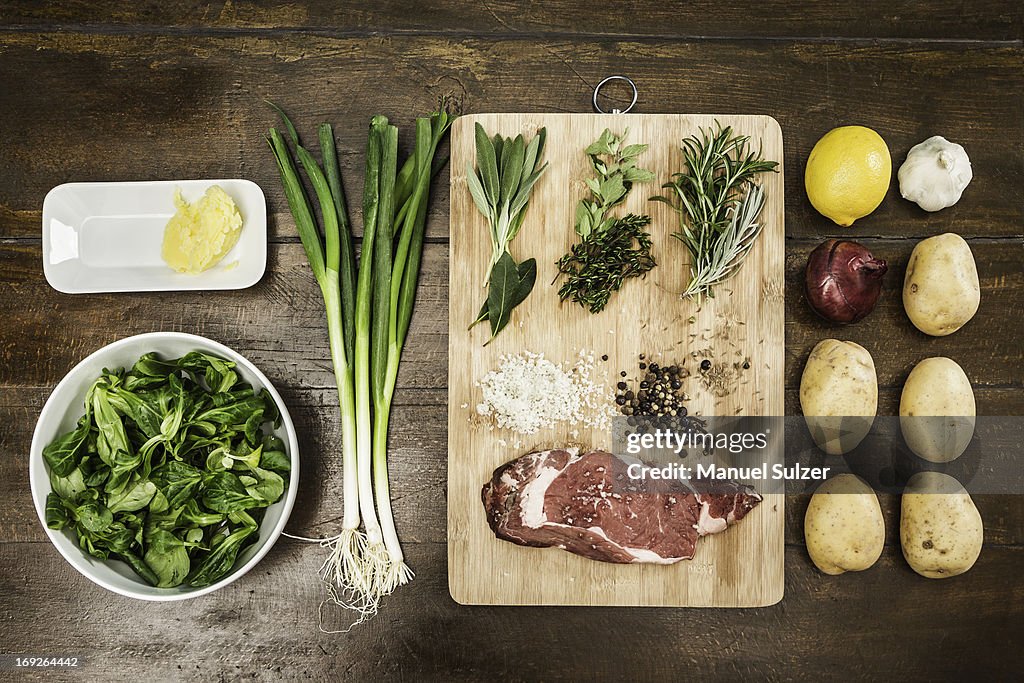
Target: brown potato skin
{"x": 941, "y": 292}
{"x": 839, "y": 395}
{"x": 941, "y": 531}
{"x": 843, "y": 526}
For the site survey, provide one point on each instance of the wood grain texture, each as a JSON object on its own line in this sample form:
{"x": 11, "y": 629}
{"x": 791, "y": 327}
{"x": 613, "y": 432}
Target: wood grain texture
{"x": 105, "y": 90}
{"x": 646, "y": 316}
{"x": 152, "y": 107}
{"x": 419, "y": 467}
{"x": 886, "y": 623}
{"x": 36, "y": 353}
{"x": 988, "y": 20}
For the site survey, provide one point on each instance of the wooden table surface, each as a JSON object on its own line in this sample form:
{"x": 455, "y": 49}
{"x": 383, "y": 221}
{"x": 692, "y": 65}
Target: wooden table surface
{"x": 110, "y": 90}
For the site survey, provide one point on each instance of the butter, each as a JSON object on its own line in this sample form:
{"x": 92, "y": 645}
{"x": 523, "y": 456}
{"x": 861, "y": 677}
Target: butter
{"x": 199, "y": 235}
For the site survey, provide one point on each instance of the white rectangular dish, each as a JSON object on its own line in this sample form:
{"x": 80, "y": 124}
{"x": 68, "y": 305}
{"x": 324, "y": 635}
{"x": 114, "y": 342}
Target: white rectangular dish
{"x": 106, "y": 237}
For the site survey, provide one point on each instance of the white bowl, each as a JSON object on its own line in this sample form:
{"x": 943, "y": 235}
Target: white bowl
{"x": 66, "y": 405}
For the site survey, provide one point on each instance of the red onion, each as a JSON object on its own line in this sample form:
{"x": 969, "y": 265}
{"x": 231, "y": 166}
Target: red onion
{"x": 843, "y": 281}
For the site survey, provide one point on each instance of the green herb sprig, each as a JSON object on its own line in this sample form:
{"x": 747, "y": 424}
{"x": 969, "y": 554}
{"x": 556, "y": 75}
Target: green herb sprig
{"x": 605, "y": 256}
{"x": 600, "y": 263}
{"x": 718, "y": 205}
{"x": 615, "y": 166}
{"x": 507, "y": 169}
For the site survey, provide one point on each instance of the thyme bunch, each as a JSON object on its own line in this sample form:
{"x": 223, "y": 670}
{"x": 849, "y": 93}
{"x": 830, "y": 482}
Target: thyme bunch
{"x": 605, "y": 256}
{"x": 600, "y": 263}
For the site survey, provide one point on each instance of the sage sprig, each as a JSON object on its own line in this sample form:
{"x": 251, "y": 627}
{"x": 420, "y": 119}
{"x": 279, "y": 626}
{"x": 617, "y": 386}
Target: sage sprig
{"x": 718, "y": 204}
{"x": 506, "y": 171}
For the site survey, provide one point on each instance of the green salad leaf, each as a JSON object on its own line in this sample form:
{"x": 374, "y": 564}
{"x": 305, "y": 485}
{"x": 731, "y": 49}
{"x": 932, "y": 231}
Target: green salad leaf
{"x": 170, "y": 469}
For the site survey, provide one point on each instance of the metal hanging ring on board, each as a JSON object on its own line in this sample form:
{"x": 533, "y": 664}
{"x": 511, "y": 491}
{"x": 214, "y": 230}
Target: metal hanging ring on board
{"x": 597, "y": 91}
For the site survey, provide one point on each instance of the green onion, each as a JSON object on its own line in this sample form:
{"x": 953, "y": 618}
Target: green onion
{"x": 369, "y": 309}
{"x": 347, "y": 546}
{"x": 378, "y": 189}
{"x": 348, "y": 253}
{"x": 405, "y": 267}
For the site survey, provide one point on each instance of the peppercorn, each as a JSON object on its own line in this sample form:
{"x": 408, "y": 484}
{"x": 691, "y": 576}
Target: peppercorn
{"x": 621, "y": 400}
{"x": 746, "y": 365}
{"x": 705, "y": 365}
{"x": 621, "y": 385}
{"x": 604, "y": 357}
{"x": 622, "y": 373}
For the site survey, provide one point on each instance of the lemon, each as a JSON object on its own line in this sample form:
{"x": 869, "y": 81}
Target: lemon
{"x": 848, "y": 173}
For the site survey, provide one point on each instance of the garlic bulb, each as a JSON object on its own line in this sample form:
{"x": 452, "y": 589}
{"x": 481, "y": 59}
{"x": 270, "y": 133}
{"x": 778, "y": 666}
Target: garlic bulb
{"x": 935, "y": 173}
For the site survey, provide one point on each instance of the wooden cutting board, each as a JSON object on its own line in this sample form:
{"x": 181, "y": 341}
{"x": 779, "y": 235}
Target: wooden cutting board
{"x": 742, "y": 567}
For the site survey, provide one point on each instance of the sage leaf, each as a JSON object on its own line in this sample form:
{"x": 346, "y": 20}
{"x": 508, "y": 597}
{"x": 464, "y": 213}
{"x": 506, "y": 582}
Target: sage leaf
{"x": 506, "y": 171}
{"x": 504, "y": 283}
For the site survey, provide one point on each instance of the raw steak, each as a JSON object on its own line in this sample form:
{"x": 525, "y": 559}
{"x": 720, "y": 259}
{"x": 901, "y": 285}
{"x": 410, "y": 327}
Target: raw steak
{"x": 587, "y": 504}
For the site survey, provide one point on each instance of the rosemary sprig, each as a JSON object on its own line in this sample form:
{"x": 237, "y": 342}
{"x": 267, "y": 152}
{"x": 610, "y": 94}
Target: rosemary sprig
{"x": 605, "y": 257}
{"x": 718, "y": 205}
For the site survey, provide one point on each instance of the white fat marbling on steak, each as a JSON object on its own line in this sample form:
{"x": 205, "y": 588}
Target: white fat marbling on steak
{"x": 587, "y": 505}
{"x": 706, "y": 524}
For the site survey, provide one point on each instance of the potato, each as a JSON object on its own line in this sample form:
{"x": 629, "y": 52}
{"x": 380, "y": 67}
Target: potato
{"x": 940, "y": 529}
{"x": 941, "y": 291}
{"x": 839, "y": 395}
{"x": 843, "y": 525}
{"x": 937, "y": 410}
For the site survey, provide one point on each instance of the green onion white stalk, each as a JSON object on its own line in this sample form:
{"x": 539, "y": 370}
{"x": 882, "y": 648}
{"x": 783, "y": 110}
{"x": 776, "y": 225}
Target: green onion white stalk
{"x": 368, "y": 313}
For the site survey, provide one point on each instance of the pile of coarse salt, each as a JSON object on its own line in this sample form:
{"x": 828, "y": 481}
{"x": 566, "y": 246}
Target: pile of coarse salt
{"x": 527, "y": 392}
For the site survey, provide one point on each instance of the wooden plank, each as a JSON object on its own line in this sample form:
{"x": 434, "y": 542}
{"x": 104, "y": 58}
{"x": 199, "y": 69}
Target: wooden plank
{"x": 264, "y": 627}
{"x": 1005, "y": 401}
{"x": 416, "y": 461}
{"x": 418, "y": 467}
{"x": 204, "y": 94}
{"x": 989, "y": 340}
{"x": 984, "y": 20}
{"x": 645, "y": 317}
{"x": 279, "y": 323}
